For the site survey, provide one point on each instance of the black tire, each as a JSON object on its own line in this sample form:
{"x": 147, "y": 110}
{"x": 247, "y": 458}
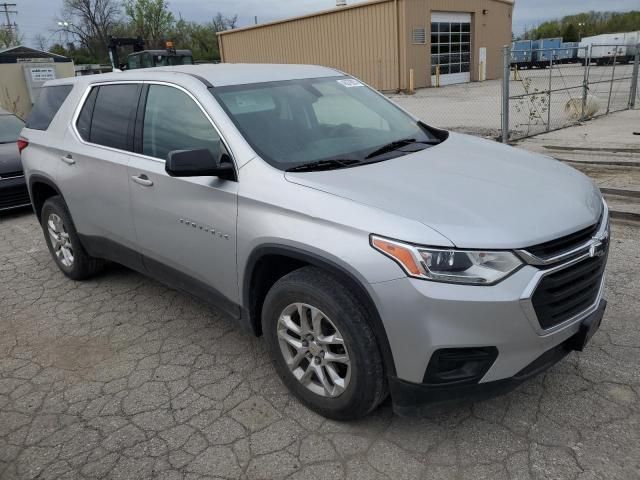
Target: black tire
{"x": 83, "y": 265}
{"x": 367, "y": 387}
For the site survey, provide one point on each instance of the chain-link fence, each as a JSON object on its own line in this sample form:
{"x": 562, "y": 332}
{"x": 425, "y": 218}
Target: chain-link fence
{"x": 472, "y": 108}
{"x": 542, "y": 90}
{"x": 469, "y": 107}
{"x": 559, "y": 89}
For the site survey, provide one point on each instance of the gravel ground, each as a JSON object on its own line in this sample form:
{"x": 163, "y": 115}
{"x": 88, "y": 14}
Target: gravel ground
{"x": 120, "y": 377}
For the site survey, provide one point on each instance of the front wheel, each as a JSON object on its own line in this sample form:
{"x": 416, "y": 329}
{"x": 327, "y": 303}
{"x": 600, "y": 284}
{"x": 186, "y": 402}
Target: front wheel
{"x": 322, "y": 345}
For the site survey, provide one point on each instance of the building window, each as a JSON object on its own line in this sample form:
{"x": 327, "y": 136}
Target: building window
{"x": 450, "y": 47}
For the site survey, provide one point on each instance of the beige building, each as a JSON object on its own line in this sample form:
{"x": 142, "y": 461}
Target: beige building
{"x": 23, "y": 71}
{"x": 381, "y": 41}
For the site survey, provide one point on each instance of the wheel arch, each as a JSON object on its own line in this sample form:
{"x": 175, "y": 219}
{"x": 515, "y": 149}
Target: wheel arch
{"x": 279, "y": 260}
{"x": 40, "y": 189}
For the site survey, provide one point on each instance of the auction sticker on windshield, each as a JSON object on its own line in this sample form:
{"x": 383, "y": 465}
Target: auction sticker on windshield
{"x": 350, "y": 83}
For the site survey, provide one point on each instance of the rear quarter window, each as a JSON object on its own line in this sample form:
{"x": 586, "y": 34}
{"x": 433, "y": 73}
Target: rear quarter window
{"x": 47, "y": 105}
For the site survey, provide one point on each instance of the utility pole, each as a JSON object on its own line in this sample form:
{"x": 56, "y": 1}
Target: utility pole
{"x": 7, "y": 9}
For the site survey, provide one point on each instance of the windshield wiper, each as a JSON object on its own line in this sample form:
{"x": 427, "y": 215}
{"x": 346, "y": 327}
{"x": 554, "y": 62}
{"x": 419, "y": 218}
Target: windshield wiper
{"x": 390, "y": 147}
{"x": 331, "y": 164}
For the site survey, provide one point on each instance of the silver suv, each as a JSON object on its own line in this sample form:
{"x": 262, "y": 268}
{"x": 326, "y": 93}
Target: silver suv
{"x": 375, "y": 253}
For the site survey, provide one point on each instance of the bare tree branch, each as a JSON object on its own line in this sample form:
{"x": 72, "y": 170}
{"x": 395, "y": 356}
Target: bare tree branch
{"x": 92, "y": 21}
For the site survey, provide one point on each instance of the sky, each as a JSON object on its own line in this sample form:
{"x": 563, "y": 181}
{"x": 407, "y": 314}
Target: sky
{"x": 40, "y": 16}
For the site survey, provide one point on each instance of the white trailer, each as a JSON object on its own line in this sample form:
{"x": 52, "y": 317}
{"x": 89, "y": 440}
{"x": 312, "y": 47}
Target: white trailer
{"x": 608, "y": 47}
{"x": 632, "y": 39}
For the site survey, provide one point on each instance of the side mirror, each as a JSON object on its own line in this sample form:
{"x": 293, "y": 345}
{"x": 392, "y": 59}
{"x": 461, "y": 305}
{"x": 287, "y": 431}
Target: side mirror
{"x": 199, "y": 163}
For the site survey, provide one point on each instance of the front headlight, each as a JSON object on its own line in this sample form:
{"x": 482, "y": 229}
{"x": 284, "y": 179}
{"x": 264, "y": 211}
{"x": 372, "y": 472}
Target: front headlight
{"x": 472, "y": 267}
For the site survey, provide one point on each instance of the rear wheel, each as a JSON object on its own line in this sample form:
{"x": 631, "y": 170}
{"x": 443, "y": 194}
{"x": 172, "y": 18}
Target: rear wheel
{"x": 64, "y": 244}
{"x": 322, "y": 345}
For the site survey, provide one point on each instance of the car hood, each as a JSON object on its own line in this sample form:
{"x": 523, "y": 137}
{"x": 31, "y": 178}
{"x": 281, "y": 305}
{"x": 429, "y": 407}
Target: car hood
{"x": 477, "y": 193}
{"x": 9, "y": 158}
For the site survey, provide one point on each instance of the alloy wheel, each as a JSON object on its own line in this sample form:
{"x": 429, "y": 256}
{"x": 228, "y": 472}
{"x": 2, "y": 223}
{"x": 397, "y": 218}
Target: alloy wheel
{"x": 60, "y": 240}
{"x": 314, "y": 350}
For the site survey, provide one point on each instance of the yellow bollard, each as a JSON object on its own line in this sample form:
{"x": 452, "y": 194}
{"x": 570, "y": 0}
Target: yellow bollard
{"x": 411, "y": 82}
{"x": 437, "y": 75}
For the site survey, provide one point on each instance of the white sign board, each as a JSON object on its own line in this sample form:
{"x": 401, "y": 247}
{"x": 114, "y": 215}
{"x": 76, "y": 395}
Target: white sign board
{"x": 35, "y": 75}
{"x": 42, "y": 74}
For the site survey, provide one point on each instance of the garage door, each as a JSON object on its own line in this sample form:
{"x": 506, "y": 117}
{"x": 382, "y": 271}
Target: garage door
{"x": 451, "y": 47}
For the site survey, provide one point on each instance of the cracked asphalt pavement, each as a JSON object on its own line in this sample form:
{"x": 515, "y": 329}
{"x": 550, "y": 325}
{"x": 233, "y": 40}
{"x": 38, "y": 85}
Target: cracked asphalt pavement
{"x": 121, "y": 377}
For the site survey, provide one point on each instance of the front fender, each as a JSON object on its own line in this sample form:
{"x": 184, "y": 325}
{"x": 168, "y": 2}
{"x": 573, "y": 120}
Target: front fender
{"x": 330, "y": 263}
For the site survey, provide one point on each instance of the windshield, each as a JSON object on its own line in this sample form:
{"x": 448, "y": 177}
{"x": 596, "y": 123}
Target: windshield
{"x": 293, "y": 123}
{"x": 172, "y": 60}
{"x": 10, "y": 127}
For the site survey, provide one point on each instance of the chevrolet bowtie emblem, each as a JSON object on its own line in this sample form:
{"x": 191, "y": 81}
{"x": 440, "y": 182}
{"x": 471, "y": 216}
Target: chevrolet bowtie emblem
{"x": 598, "y": 248}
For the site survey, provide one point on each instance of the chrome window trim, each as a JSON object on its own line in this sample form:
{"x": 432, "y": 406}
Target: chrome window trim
{"x": 83, "y": 99}
{"x": 601, "y": 234}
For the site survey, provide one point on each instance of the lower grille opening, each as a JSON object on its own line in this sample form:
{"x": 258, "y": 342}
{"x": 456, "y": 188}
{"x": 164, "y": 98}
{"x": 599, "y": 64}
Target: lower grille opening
{"x": 459, "y": 365}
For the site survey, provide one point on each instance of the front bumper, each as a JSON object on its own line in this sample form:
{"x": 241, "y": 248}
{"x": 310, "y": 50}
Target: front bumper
{"x": 414, "y": 398}
{"x": 421, "y": 318}
{"x": 13, "y": 193}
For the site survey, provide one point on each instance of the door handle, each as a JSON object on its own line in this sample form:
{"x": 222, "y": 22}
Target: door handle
{"x": 142, "y": 180}
{"x": 68, "y": 159}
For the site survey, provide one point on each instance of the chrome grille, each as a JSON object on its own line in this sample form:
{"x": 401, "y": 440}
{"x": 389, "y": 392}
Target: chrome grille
{"x": 565, "y": 244}
{"x": 568, "y": 292}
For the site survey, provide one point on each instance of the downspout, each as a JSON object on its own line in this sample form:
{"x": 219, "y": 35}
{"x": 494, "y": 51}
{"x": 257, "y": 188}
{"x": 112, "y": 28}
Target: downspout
{"x": 220, "y": 48}
{"x": 397, "y": 7}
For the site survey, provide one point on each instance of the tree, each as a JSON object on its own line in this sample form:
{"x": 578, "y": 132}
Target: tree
{"x": 41, "y": 42}
{"x": 220, "y": 23}
{"x": 150, "y": 19}
{"x": 550, "y": 29}
{"x": 58, "y": 49}
{"x": 9, "y": 38}
{"x": 201, "y": 39}
{"x": 91, "y": 22}
{"x": 570, "y": 33}
{"x": 587, "y": 24}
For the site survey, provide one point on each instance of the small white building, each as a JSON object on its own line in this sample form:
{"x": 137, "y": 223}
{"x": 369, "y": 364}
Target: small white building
{"x": 23, "y": 71}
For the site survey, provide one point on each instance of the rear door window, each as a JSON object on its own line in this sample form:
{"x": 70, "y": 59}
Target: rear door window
{"x": 115, "y": 105}
{"x": 47, "y": 105}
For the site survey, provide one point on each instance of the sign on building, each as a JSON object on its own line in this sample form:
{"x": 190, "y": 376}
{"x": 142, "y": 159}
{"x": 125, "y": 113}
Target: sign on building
{"x": 36, "y": 75}
{"x": 42, "y": 74}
